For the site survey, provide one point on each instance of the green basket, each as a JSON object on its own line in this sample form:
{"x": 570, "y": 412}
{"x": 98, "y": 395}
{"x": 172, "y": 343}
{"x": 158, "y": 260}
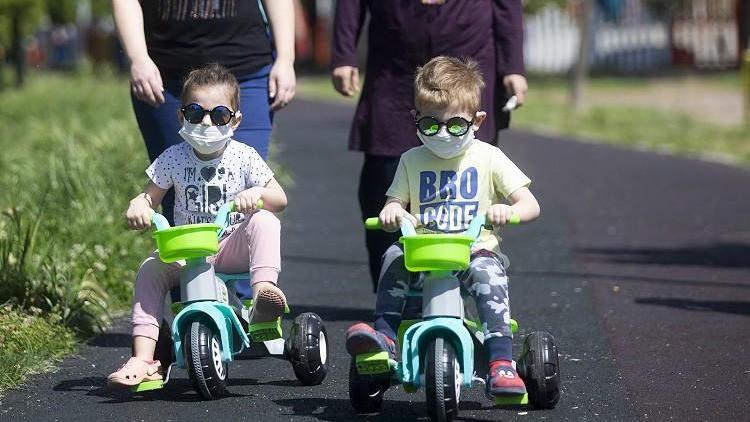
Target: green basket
{"x": 187, "y": 242}
{"x": 436, "y": 252}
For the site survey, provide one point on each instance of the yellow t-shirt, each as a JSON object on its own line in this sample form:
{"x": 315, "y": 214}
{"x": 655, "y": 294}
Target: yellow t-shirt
{"x": 445, "y": 195}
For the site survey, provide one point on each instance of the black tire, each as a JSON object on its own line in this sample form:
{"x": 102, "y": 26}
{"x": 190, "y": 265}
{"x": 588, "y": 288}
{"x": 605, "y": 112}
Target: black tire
{"x": 307, "y": 348}
{"x": 203, "y": 359}
{"x": 366, "y": 391}
{"x": 443, "y": 387}
{"x": 539, "y": 367}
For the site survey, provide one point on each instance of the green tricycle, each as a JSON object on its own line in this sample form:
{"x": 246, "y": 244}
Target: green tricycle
{"x": 438, "y": 347}
{"x": 210, "y": 324}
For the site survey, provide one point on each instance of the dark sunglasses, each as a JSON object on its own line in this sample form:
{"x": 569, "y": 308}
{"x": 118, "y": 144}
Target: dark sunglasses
{"x": 456, "y": 126}
{"x": 220, "y": 115}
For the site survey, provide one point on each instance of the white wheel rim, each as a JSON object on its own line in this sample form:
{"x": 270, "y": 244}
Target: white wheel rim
{"x": 457, "y": 378}
{"x": 216, "y": 355}
{"x": 323, "y": 348}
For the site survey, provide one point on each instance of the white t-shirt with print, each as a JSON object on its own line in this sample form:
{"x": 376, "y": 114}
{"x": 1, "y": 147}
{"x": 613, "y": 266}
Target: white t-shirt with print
{"x": 201, "y": 187}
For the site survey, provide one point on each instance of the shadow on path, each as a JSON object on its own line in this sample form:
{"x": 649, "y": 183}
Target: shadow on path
{"x": 717, "y": 255}
{"x": 585, "y": 275}
{"x": 722, "y": 306}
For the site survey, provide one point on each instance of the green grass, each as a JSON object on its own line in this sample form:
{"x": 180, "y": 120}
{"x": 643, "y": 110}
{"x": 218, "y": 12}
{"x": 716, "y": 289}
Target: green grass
{"x": 30, "y": 344}
{"x": 72, "y": 158}
{"x": 642, "y": 126}
{"x": 652, "y": 129}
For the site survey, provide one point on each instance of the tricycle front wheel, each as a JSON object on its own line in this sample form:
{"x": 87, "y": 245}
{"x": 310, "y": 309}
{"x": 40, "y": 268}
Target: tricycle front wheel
{"x": 203, "y": 359}
{"x": 443, "y": 380}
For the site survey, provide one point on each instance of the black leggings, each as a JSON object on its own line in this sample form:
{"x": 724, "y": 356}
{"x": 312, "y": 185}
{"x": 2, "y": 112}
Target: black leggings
{"x": 375, "y": 179}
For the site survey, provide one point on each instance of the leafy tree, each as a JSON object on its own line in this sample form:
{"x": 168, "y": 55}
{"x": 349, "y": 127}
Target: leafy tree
{"x": 61, "y": 11}
{"x": 18, "y": 18}
{"x": 101, "y": 8}
{"x": 533, "y": 6}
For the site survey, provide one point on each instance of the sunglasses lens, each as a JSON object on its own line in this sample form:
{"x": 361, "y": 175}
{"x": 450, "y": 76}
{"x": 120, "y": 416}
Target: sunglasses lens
{"x": 428, "y": 126}
{"x": 221, "y": 115}
{"x": 457, "y": 126}
{"x": 193, "y": 113}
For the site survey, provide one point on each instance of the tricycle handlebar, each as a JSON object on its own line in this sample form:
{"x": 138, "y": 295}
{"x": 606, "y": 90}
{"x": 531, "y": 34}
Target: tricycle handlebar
{"x": 407, "y": 229}
{"x": 222, "y": 217}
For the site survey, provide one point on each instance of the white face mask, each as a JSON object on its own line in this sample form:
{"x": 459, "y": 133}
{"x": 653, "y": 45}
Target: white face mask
{"x": 445, "y": 145}
{"x": 206, "y": 139}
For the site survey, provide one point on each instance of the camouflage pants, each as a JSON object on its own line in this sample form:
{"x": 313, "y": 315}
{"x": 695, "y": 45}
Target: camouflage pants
{"x": 485, "y": 280}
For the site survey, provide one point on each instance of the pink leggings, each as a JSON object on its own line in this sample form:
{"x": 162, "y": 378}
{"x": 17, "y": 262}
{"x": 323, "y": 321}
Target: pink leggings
{"x": 255, "y": 245}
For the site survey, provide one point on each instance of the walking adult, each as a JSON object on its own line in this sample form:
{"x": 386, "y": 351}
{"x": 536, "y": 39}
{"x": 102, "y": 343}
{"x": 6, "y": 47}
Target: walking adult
{"x": 403, "y": 35}
{"x": 165, "y": 39}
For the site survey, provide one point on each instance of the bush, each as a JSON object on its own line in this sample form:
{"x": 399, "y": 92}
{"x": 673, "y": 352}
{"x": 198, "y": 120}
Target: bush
{"x": 30, "y": 343}
{"x": 70, "y": 167}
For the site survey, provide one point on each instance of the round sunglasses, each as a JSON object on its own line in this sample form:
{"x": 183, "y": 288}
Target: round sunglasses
{"x": 456, "y": 126}
{"x": 220, "y": 115}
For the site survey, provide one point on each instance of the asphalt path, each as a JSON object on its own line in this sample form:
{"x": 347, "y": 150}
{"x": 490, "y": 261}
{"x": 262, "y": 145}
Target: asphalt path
{"x": 639, "y": 265}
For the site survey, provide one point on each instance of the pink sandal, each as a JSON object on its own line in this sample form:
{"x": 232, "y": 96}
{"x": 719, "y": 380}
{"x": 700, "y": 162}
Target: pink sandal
{"x": 133, "y": 372}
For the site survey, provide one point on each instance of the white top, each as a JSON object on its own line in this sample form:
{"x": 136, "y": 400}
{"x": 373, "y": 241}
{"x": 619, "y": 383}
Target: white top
{"x": 201, "y": 187}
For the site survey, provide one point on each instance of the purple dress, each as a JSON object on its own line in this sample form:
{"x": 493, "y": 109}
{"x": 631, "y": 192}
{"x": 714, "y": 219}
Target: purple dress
{"x": 405, "y": 34}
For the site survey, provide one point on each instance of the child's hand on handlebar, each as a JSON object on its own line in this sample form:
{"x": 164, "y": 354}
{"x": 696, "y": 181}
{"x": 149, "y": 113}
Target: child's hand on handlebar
{"x": 139, "y": 214}
{"x": 391, "y": 216}
{"x": 499, "y": 214}
{"x": 247, "y": 200}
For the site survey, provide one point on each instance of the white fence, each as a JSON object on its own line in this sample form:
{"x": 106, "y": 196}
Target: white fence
{"x": 630, "y": 38}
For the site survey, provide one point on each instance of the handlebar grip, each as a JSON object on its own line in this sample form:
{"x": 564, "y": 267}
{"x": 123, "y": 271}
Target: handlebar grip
{"x": 159, "y": 221}
{"x": 373, "y": 223}
{"x": 514, "y": 219}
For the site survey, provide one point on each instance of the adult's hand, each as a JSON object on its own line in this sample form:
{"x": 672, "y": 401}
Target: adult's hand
{"x": 146, "y": 83}
{"x": 282, "y": 83}
{"x": 346, "y": 80}
{"x": 516, "y": 85}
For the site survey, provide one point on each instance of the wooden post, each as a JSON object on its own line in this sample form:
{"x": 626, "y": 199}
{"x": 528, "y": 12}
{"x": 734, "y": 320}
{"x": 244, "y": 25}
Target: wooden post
{"x": 581, "y": 70}
{"x": 745, "y": 73}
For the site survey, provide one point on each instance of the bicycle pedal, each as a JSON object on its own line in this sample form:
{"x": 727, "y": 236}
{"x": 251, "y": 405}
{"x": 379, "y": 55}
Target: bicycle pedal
{"x": 265, "y": 331}
{"x": 510, "y": 400}
{"x": 147, "y": 386}
{"x": 248, "y": 303}
{"x": 373, "y": 363}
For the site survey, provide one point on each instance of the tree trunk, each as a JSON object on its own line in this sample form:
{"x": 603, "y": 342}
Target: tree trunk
{"x": 581, "y": 71}
{"x": 16, "y": 46}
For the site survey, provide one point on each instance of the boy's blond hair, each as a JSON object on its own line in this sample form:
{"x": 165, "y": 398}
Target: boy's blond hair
{"x": 212, "y": 74}
{"x": 449, "y": 81}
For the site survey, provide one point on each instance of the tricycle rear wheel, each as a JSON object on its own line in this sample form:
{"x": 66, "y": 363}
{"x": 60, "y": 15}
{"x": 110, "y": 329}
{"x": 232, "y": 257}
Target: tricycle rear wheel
{"x": 307, "y": 348}
{"x": 366, "y": 391}
{"x": 539, "y": 367}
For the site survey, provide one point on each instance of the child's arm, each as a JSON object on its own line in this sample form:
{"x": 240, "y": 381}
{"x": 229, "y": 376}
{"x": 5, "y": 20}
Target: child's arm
{"x": 272, "y": 194}
{"x": 143, "y": 205}
{"x": 522, "y": 203}
{"x": 392, "y": 213}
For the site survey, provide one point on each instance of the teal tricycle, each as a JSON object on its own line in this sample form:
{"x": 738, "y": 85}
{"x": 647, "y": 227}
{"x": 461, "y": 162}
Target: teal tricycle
{"x": 438, "y": 348}
{"x": 210, "y": 324}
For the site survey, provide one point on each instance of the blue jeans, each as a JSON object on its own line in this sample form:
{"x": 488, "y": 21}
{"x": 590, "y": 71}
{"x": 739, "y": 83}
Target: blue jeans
{"x": 159, "y": 125}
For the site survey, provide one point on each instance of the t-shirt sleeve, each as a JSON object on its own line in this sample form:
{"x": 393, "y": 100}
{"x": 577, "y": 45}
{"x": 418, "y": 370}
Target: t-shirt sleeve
{"x": 506, "y": 176}
{"x": 258, "y": 172}
{"x": 400, "y": 186}
{"x": 160, "y": 171}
